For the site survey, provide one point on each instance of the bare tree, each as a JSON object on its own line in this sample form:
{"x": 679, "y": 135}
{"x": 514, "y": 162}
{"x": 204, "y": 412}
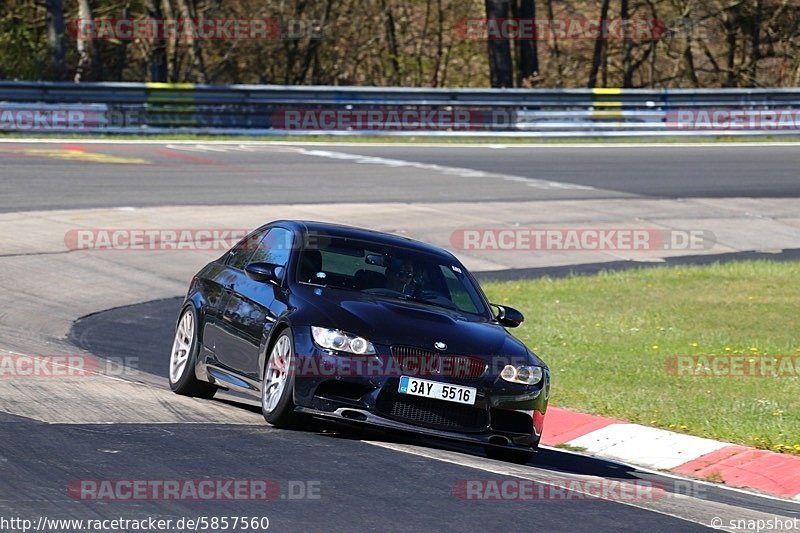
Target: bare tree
{"x": 84, "y": 42}
{"x": 391, "y": 43}
{"x": 527, "y": 49}
{"x": 311, "y": 55}
{"x": 499, "y": 48}
{"x": 627, "y": 47}
{"x": 158, "y": 52}
{"x": 442, "y": 57}
{"x": 599, "y": 46}
{"x": 171, "y": 45}
{"x": 755, "y": 36}
{"x": 555, "y": 53}
{"x": 55, "y": 37}
{"x": 194, "y": 50}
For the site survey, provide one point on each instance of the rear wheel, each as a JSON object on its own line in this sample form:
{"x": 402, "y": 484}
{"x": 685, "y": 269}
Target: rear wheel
{"x": 277, "y": 385}
{"x": 182, "y": 360}
{"x": 520, "y": 457}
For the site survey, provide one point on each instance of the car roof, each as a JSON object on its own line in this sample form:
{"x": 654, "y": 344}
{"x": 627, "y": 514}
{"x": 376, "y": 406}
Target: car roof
{"x": 352, "y": 232}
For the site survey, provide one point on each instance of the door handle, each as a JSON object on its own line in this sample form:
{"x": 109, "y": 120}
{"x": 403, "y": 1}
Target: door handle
{"x": 229, "y": 287}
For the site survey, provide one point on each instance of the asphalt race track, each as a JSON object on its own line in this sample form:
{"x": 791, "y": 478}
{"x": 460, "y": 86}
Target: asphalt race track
{"x": 205, "y": 174}
{"x": 119, "y": 306}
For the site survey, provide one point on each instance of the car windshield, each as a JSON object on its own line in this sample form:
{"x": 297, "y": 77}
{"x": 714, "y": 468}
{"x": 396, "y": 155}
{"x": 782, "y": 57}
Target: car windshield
{"x": 389, "y": 272}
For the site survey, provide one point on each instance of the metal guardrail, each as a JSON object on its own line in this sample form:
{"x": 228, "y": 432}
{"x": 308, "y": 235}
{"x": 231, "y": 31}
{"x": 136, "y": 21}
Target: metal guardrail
{"x": 315, "y": 110}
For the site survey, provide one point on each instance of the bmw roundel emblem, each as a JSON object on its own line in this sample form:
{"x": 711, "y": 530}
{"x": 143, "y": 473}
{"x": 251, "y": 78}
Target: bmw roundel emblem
{"x": 439, "y": 345}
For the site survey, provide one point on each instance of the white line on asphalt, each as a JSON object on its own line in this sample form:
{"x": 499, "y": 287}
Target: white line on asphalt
{"x": 447, "y": 170}
{"x": 669, "y": 506}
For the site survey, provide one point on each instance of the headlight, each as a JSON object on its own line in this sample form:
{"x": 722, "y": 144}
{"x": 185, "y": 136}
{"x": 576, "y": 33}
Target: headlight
{"x": 333, "y": 339}
{"x": 527, "y": 375}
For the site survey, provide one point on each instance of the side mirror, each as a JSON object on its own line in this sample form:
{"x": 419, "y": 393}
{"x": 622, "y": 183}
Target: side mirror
{"x": 264, "y": 272}
{"x": 508, "y": 316}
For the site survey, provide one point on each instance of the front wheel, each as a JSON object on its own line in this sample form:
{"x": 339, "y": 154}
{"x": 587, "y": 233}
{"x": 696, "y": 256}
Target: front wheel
{"x": 182, "y": 360}
{"x": 277, "y": 385}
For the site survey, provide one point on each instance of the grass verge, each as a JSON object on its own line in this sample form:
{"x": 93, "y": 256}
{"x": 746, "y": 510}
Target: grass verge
{"x": 611, "y": 342}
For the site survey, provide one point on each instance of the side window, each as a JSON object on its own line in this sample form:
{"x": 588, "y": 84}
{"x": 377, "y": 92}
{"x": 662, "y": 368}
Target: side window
{"x": 240, "y": 255}
{"x": 274, "y": 248}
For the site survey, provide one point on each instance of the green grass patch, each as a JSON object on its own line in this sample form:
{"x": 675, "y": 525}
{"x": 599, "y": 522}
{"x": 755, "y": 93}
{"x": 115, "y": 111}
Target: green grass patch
{"x": 569, "y": 447}
{"x": 607, "y": 339}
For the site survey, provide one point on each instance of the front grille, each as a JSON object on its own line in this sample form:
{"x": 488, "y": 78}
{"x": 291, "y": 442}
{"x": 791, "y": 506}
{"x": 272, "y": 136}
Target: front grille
{"x": 419, "y": 362}
{"x": 431, "y": 413}
{"x": 416, "y": 362}
{"x": 463, "y": 367}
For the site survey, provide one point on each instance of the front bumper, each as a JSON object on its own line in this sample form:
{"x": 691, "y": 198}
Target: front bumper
{"x": 504, "y": 414}
{"x": 360, "y": 416}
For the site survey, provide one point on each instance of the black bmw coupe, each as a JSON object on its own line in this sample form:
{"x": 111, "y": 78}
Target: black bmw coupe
{"x": 332, "y": 321}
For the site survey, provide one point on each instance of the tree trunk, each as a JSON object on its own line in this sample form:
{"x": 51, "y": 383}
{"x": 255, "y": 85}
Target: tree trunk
{"x": 500, "y": 67}
{"x": 158, "y": 53}
{"x": 555, "y": 54}
{"x": 627, "y": 48}
{"x": 688, "y": 62}
{"x": 439, "y": 43}
{"x": 195, "y": 52}
{"x": 313, "y": 46}
{"x": 730, "y": 58}
{"x": 755, "y": 34}
{"x": 84, "y": 43}
{"x": 599, "y": 46}
{"x": 171, "y": 44}
{"x": 55, "y": 37}
{"x": 527, "y": 49}
{"x": 391, "y": 43}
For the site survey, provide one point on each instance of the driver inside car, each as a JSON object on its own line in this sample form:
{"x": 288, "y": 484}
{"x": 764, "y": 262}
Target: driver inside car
{"x": 399, "y": 274}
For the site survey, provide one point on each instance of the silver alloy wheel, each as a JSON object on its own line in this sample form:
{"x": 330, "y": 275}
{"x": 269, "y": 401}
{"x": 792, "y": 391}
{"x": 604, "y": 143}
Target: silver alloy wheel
{"x": 182, "y": 346}
{"x": 277, "y": 374}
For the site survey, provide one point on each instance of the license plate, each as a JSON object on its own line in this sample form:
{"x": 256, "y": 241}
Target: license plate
{"x": 437, "y": 390}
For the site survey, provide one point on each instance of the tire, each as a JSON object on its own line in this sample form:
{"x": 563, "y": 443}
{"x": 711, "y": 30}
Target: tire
{"x": 277, "y": 385}
{"x": 183, "y": 358}
{"x": 519, "y": 457}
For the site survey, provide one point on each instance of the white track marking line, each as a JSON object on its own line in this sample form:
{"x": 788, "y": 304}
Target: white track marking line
{"x": 715, "y": 509}
{"x": 447, "y": 170}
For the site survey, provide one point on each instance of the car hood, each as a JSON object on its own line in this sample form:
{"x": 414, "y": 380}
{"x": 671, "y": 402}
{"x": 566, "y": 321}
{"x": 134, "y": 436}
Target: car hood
{"x": 396, "y": 322}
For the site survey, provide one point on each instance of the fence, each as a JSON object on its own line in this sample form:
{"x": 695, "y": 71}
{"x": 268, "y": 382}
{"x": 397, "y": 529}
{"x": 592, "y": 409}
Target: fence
{"x": 311, "y": 110}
